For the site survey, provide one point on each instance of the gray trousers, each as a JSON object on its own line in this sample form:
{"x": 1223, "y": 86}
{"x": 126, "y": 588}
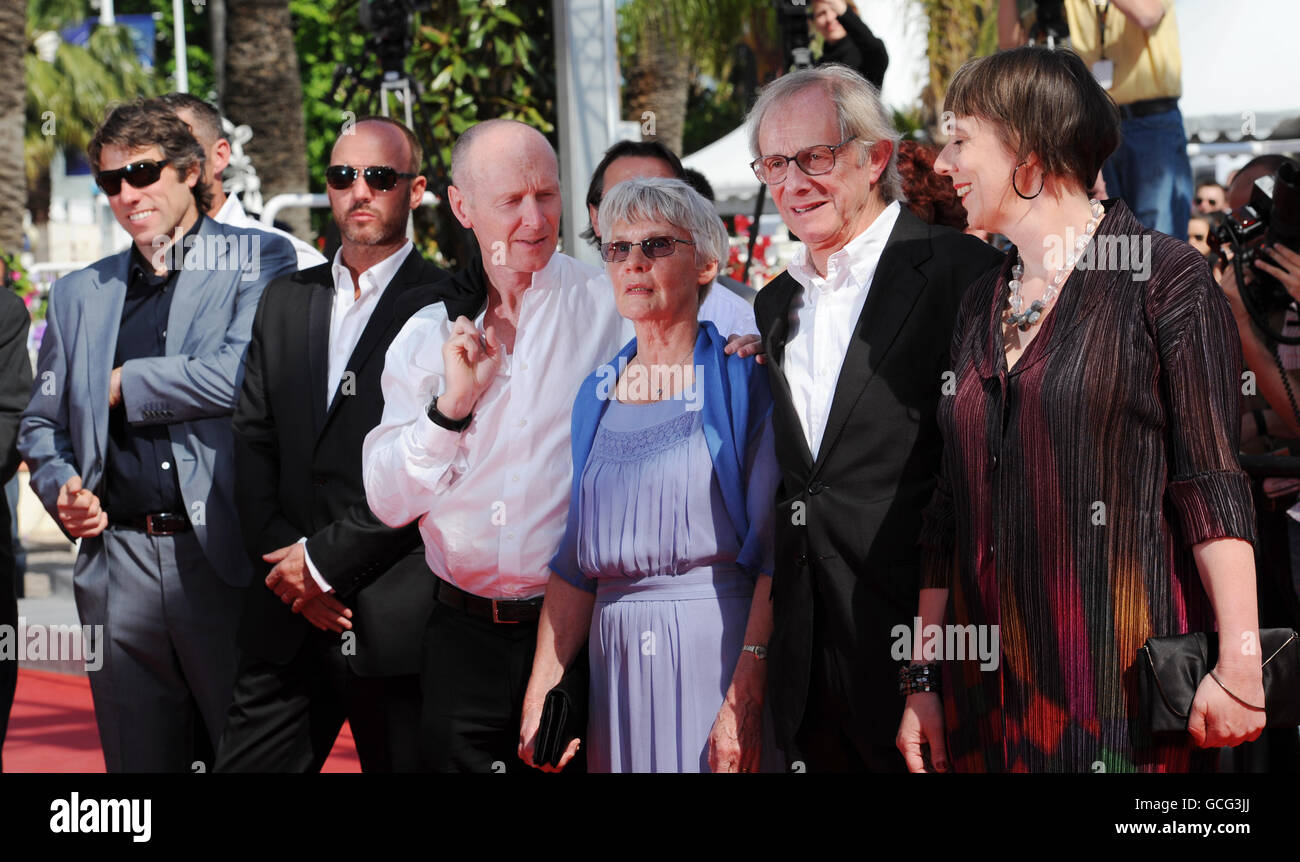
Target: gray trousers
{"x": 169, "y": 653}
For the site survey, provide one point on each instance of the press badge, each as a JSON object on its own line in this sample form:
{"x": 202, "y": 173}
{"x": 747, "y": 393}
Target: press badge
{"x": 1104, "y": 72}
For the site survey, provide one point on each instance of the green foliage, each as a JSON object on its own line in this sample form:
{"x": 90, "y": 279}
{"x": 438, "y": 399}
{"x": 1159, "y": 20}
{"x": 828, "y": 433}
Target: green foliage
{"x": 472, "y": 60}
{"x": 480, "y": 61}
{"x": 707, "y": 30}
{"x": 16, "y": 279}
{"x": 68, "y": 98}
{"x": 325, "y": 33}
{"x": 711, "y": 112}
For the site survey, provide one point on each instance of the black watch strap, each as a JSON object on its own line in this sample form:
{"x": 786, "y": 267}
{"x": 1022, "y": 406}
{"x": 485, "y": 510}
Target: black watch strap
{"x": 441, "y": 421}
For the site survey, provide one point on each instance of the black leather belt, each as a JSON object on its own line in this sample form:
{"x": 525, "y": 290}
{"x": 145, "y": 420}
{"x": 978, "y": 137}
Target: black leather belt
{"x": 158, "y": 524}
{"x": 1147, "y": 108}
{"x": 492, "y": 610}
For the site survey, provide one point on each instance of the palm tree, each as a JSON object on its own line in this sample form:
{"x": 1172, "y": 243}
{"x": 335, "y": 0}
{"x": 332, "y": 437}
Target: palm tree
{"x": 263, "y": 90}
{"x": 959, "y": 30}
{"x": 13, "y": 17}
{"x": 69, "y": 88}
{"x": 668, "y": 44}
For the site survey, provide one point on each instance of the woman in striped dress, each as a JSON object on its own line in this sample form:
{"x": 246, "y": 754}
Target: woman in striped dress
{"x": 1090, "y": 496}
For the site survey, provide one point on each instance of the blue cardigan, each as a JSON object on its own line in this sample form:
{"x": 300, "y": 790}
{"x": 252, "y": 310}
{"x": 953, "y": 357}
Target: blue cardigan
{"x": 736, "y": 402}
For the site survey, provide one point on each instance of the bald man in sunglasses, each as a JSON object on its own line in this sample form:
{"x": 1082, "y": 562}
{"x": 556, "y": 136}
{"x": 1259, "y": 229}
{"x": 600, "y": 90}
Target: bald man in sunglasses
{"x": 128, "y": 439}
{"x": 311, "y": 393}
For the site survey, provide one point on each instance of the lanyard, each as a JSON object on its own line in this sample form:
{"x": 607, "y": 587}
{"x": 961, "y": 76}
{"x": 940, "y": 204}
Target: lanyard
{"x": 1103, "y": 8}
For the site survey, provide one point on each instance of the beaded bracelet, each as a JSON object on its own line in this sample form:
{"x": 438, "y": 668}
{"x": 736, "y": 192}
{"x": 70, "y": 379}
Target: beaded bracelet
{"x": 918, "y": 678}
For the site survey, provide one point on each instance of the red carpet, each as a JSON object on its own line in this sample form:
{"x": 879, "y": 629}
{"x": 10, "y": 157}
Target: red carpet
{"x": 52, "y": 728}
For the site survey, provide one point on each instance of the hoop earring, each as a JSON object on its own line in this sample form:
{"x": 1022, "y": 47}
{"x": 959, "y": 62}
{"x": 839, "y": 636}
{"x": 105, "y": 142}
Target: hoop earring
{"x": 1017, "y": 191}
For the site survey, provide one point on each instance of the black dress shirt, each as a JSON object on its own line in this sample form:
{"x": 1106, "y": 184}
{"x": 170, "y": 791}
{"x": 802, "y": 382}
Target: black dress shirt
{"x": 140, "y": 472}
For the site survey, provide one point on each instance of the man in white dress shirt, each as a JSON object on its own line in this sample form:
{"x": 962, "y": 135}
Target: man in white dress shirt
{"x": 205, "y": 124}
{"x": 474, "y": 441}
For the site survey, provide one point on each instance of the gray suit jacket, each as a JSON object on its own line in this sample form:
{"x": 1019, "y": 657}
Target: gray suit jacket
{"x": 193, "y": 389}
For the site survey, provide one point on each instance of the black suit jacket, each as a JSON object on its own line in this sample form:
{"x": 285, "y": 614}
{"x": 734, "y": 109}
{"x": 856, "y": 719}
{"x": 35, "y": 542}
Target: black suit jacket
{"x": 852, "y": 541}
{"x": 298, "y": 466}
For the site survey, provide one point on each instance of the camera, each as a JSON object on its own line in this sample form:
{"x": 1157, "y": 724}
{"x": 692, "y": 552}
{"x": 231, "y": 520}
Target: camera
{"x": 1050, "y": 25}
{"x": 1272, "y": 217}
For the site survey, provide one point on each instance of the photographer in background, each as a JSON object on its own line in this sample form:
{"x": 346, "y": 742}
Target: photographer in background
{"x": 1131, "y": 47}
{"x": 848, "y": 40}
{"x": 1280, "y": 265}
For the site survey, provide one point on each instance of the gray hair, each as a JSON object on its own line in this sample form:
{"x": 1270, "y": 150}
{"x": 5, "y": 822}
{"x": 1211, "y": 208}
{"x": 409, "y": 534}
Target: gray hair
{"x": 857, "y": 109}
{"x": 672, "y": 201}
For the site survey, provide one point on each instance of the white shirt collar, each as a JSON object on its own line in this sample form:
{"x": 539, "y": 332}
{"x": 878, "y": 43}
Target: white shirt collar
{"x": 231, "y": 212}
{"x": 858, "y": 257}
{"x": 377, "y": 276}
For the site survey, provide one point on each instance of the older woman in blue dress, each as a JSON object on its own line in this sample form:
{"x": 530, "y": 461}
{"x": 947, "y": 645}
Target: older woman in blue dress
{"x": 664, "y": 566}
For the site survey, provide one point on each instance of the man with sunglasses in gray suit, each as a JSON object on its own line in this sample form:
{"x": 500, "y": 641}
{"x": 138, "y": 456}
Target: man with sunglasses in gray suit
{"x": 128, "y": 439}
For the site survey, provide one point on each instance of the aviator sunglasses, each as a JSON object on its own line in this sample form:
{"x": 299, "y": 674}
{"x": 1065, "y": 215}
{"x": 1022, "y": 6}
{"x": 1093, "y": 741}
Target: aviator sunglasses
{"x": 137, "y": 174}
{"x": 381, "y": 178}
{"x": 655, "y": 246}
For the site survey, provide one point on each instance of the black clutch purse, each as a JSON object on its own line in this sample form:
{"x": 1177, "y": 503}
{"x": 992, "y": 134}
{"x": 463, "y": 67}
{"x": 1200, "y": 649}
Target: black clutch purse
{"x": 564, "y": 713}
{"x": 1171, "y": 668}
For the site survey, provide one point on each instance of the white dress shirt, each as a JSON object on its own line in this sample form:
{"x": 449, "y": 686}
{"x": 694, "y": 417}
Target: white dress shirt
{"x": 349, "y": 315}
{"x": 731, "y": 314}
{"x": 825, "y": 318}
{"x": 492, "y": 501}
{"x": 232, "y": 213}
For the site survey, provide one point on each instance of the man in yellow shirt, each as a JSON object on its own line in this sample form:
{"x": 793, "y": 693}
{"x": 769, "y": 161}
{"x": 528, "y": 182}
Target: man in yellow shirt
{"x": 1132, "y": 48}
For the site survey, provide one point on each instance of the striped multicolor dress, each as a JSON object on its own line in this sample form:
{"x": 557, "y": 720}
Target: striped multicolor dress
{"x": 1073, "y": 489}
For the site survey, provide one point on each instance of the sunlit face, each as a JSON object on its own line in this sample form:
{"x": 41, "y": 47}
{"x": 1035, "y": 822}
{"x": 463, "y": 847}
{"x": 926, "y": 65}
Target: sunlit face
{"x": 512, "y": 199}
{"x": 660, "y": 288}
{"x": 216, "y": 153}
{"x": 367, "y": 217}
{"x": 980, "y": 167}
{"x": 826, "y": 22}
{"x": 1198, "y": 230}
{"x": 826, "y": 210}
{"x": 157, "y": 209}
{"x": 627, "y": 168}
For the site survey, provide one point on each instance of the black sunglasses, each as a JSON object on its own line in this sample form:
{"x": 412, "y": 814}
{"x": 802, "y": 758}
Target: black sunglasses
{"x": 655, "y": 246}
{"x": 137, "y": 174}
{"x": 381, "y": 178}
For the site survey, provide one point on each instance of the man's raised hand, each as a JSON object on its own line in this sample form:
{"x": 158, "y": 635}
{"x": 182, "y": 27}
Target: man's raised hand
{"x": 472, "y": 360}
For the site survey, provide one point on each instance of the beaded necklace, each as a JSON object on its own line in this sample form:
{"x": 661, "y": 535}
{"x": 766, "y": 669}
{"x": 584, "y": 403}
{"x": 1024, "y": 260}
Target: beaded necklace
{"x": 1022, "y": 320}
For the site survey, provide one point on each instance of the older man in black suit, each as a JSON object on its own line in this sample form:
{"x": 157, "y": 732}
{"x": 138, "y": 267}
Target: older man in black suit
{"x": 857, "y": 330}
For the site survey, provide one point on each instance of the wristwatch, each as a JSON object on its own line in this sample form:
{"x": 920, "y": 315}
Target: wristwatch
{"x": 441, "y": 421}
{"x": 760, "y": 652}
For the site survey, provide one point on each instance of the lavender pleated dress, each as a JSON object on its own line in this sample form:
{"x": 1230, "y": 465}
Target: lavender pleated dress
{"x": 671, "y": 603}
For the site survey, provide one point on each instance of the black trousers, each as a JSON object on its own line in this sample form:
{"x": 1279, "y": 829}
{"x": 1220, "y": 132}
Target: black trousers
{"x": 828, "y": 739}
{"x": 285, "y": 718}
{"x": 473, "y": 680}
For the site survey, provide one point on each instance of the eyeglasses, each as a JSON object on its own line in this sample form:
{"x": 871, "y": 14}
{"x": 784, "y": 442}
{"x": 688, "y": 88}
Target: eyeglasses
{"x": 381, "y": 178}
{"x": 137, "y": 174}
{"x": 813, "y": 161}
{"x": 655, "y": 246}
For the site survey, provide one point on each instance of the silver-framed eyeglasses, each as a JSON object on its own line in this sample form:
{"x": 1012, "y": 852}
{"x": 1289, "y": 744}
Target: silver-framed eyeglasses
{"x": 813, "y": 161}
